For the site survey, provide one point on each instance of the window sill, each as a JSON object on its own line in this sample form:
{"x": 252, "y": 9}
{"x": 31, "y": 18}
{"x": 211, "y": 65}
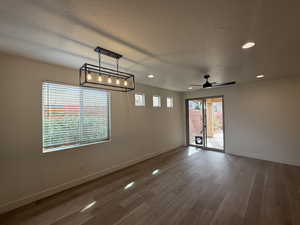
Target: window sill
{"x": 69, "y": 147}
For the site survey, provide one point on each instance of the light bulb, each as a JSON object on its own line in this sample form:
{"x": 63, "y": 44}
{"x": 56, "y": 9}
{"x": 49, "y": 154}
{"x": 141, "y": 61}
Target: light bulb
{"x": 89, "y": 77}
{"x": 117, "y": 81}
{"x": 109, "y": 80}
{"x": 100, "y": 79}
{"x": 125, "y": 83}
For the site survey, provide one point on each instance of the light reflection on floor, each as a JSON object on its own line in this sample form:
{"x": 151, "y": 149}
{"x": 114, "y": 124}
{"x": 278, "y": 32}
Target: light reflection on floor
{"x": 154, "y": 172}
{"x": 88, "y": 206}
{"x": 129, "y": 185}
{"x": 192, "y": 151}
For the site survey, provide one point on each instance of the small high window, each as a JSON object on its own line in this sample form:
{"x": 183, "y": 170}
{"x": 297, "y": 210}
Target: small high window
{"x": 139, "y": 99}
{"x": 156, "y": 101}
{"x": 169, "y": 102}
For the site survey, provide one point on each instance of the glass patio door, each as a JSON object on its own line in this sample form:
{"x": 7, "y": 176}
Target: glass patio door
{"x": 196, "y": 119}
{"x": 214, "y": 123}
{"x": 205, "y": 123}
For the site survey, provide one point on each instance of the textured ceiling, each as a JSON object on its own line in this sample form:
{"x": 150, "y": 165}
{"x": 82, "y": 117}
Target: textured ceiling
{"x": 177, "y": 41}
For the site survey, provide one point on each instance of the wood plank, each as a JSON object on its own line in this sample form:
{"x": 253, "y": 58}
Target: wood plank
{"x": 189, "y": 189}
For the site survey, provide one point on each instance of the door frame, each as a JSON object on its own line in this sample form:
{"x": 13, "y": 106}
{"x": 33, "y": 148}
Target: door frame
{"x": 204, "y": 115}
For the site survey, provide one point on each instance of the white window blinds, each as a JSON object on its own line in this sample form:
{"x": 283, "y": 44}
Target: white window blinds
{"x": 74, "y": 116}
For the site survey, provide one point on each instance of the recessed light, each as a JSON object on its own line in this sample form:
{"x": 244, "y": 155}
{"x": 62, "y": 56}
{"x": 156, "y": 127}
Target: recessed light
{"x": 190, "y": 88}
{"x": 260, "y": 76}
{"x": 247, "y": 45}
{"x": 150, "y": 76}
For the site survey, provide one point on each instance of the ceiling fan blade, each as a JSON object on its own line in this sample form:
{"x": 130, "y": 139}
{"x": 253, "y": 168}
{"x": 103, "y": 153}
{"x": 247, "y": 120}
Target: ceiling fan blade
{"x": 224, "y": 84}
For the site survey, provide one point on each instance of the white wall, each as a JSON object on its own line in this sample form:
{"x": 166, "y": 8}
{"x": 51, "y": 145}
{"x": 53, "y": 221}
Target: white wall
{"x": 262, "y": 119}
{"x": 26, "y": 174}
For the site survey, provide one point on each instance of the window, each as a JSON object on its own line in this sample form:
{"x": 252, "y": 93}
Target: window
{"x": 74, "y": 116}
{"x": 156, "y": 101}
{"x": 139, "y": 99}
{"x": 169, "y": 102}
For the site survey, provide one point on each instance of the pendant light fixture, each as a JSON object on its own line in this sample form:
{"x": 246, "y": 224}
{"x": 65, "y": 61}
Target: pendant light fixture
{"x": 106, "y": 78}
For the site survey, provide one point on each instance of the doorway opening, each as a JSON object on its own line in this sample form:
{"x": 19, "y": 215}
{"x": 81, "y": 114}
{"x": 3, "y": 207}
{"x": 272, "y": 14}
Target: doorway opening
{"x": 205, "y": 122}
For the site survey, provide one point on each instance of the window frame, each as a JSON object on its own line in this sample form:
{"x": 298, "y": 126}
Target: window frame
{"x": 76, "y": 146}
{"x": 159, "y": 97}
{"x": 172, "y": 102}
{"x": 144, "y": 99}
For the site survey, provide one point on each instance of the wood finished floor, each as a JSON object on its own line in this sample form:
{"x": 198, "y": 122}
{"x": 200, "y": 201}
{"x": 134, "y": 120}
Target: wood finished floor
{"x": 188, "y": 187}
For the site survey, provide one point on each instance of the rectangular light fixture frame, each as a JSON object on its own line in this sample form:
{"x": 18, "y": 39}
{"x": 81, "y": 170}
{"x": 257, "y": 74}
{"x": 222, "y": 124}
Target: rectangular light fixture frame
{"x": 89, "y": 73}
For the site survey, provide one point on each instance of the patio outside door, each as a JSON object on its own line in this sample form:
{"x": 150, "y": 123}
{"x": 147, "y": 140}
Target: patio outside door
{"x": 195, "y": 122}
{"x": 205, "y": 123}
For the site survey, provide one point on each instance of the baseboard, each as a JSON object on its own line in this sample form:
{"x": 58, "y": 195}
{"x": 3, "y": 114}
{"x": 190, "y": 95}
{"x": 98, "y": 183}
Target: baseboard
{"x": 54, "y": 190}
{"x": 262, "y": 157}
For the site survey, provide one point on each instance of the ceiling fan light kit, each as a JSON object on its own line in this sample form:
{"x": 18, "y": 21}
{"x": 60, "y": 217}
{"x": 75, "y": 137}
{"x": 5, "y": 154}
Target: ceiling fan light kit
{"x": 208, "y": 84}
{"x": 97, "y": 76}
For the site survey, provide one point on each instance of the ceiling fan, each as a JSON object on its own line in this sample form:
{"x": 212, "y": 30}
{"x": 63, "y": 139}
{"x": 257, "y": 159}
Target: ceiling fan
{"x": 208, "y": 84}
